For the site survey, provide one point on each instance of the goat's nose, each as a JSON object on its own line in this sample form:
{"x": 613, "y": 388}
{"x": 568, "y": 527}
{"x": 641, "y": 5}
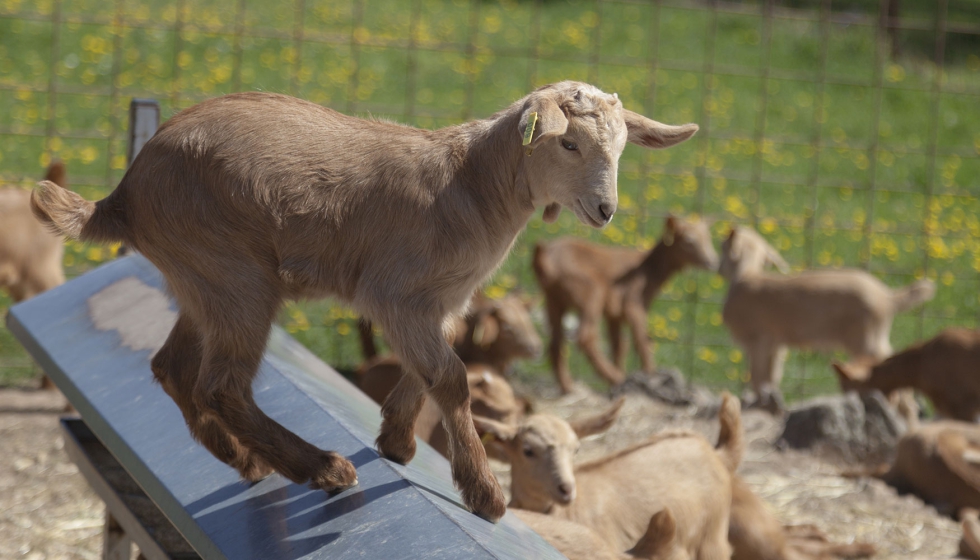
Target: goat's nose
{"x": 566, "y": 490}
{"x": 606, "y": 210}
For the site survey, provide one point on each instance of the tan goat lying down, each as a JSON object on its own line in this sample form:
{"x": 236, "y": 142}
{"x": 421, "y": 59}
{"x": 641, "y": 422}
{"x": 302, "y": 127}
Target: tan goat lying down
{"x": 617, "y": 496}
{"x": 615, "y": 283}
{"x": 946, "y": 368}
{"x": 578, "y": 542}
{"x": 844, "y": 309}
{"x": 248, "y": 199}
{"x": 30, "y": 255}
{"x": 940, "y": 463}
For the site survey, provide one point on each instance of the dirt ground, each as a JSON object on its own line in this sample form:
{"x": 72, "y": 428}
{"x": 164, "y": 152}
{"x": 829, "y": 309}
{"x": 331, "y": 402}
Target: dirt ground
{"x": 48, "y": 512}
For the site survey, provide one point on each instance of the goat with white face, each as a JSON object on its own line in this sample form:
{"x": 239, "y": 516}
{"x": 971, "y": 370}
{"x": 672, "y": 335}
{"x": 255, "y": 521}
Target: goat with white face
{"x": 249, "y": 199}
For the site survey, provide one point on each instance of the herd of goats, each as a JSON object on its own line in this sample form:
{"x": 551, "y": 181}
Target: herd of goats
{"x": 271, "y": 196}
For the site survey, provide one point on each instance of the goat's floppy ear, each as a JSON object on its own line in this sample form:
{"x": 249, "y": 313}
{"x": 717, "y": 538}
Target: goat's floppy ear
{"x": 599, "y": 423}
{"x": 658, "y": 538}
{"x": 486, "y": 331}
{"x": 670, "y": 228}
{"x": 550, "y": 121}
{"x": 776, "y": 260}
{"x": 551, "y": 212}
{"x": 844, "y": 373}
{"x": 491, "y": 429}
{"x": 652, "y": 134}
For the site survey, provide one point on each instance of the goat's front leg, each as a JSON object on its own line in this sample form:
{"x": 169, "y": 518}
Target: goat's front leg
{"x": 617, "y": 344}
{"x": 431, "y": 360}
{"x": 588, "y": 341}
{"x": 637, "y": 317}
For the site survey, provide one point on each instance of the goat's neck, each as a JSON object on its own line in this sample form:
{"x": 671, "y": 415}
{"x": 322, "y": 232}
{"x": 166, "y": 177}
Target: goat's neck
{"x": 491, "y": 166}
{"x": 899, "y": 371}
{"x": 660, "y": 264}
{"x": 522, "y": 492}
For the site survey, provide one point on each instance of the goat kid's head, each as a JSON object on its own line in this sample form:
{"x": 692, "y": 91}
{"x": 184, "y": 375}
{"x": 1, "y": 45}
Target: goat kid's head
{"x": 492, "y": 397}
{"x": 541, "y": 451}
{"x": 577, "y": 139}
{"x": 691, "y": 241}
{"x": 744, "y": 251}
{"x": 506, "y": 324}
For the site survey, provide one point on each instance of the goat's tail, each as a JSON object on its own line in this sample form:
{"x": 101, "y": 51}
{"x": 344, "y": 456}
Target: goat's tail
{"x": 913, "y": 295}
{"x": 731, "y": 438}
{"x": 57, "y": 174}
{"x": 66, "y": 213}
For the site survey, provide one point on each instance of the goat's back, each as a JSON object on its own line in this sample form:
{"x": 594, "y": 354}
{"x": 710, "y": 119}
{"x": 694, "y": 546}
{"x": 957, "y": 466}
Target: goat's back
{"x": 819, "y": 308}
{"x": 618, "y": 495}
{"x": 310, "y": 197}
{"x": 573, "y": 261}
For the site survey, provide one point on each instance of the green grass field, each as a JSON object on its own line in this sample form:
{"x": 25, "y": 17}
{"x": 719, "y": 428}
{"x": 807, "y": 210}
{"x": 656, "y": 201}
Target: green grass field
{"x": 838, "y": 160}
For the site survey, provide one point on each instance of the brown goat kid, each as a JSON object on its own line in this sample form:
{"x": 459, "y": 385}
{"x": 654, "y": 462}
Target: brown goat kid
{"x": 614, "y": 283}
{"x": 493, "y": 332}
{"x": 245, "y": 200}
{"x": 844, "y": 309}
{"x": 491, "y": 396}
{"x": 30, "y": 255}
{"x": 616, "y": 496}
{"x": 946, "y": 368}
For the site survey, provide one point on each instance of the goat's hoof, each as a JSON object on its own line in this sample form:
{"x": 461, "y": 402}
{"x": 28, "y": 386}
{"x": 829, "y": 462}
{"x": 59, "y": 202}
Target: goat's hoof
{"x": 335, "y": 474}
{"x": 395, "y": 449}
{"x": 485, "y": 499}
{"x": 256, "y": 472}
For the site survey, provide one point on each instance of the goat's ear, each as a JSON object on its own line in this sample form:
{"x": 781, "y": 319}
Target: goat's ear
{"x": 658, "y": 538}
{"x": 493, "y": 430}
{"x": 599, "y": 423}
{"x": 551, "y": 120}
{"x": 842, "y": 372}
{"x": 776, "y": 260}
{"x": 652, "y": 134}
{"x": 486, "y": 331}
{"x": 551, "y": 212}
{"x": 670, "y": 228}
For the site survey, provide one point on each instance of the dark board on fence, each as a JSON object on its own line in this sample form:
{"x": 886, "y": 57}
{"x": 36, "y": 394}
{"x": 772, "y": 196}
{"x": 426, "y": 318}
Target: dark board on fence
{"x": 94, "y": 336}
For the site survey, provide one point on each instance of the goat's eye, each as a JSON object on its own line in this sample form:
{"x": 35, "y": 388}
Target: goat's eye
{"x": 569, "y": 145}
{"x": 528, "y": 452}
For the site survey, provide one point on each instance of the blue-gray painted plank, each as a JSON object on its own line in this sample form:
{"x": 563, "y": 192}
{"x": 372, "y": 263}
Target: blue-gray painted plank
{"x": 395, "y": 512}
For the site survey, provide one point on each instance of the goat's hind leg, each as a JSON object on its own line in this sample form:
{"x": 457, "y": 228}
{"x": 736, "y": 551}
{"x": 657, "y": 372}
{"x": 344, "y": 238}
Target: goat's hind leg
{"x": 175, "y": 366}
{"x": 234, "y": 341}
{"x": 400, "y": 411}
{"x": 432, "y": 361}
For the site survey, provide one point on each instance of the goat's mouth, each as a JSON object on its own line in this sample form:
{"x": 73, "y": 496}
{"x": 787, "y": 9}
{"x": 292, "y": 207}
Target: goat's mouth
{"x": 585, "y": 217}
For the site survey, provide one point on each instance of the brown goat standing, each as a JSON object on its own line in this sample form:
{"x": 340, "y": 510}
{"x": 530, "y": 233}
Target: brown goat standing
{"x": 245, "y": 200}
{"x": 845, "y": 309}
{"x": 30, "y": 255}
{"x": 946, "y": 368}
{"x": 614, "y": 283}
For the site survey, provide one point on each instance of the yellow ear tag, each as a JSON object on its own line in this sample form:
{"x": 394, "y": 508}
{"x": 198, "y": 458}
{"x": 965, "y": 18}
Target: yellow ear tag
{"x": 487, "y": 438}
{"x": 532, "y": 119}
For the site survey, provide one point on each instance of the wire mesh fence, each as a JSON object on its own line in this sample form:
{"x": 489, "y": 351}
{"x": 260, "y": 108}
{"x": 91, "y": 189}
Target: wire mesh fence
{"x": 841, "y": 130}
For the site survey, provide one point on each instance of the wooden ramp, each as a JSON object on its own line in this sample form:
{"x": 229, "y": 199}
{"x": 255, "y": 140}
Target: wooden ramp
{"x": 94, "y": 337}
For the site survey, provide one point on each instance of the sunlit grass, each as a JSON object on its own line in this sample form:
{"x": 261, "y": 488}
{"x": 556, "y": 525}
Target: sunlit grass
{"x": 806, "y": 166}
